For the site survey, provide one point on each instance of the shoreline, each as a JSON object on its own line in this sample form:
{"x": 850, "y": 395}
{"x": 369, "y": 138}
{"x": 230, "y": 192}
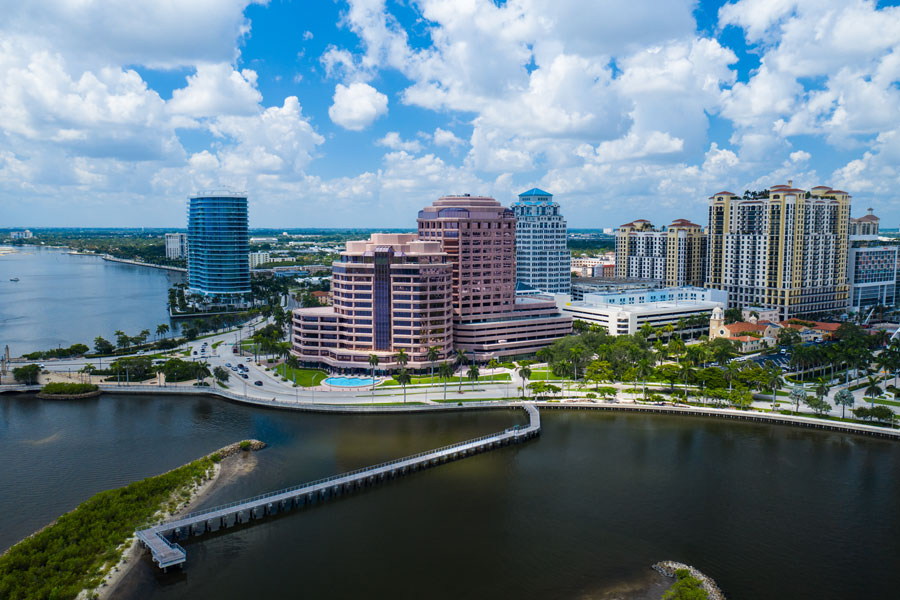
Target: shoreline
{"x": 667, "y": 568}
{"x": 224, "y": 471}
{"x": 807, "y": 422}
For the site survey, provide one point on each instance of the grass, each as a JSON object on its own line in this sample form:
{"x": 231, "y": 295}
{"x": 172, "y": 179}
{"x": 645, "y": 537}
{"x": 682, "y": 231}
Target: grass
{"x": 498, "y": 378}
{"x": 305, "y": 377}
{"x": 887, "y": 402}
{"x": 76, "y": 551}
{"x": 217, "y": 344}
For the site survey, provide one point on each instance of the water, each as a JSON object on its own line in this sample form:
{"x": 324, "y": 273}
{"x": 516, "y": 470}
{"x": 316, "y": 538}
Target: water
{"x": 63, "y": 299}
{"x": 769, "y": 512}
{"x": 349, "y": 381}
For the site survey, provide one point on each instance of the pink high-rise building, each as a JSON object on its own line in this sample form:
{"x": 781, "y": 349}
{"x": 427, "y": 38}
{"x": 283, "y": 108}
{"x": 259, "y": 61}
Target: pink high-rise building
{"x": 479, "y": 235}
{"x": 390, "y": 292}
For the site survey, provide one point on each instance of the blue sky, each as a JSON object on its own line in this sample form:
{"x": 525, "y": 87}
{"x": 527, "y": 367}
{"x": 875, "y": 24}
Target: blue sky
{"x": 357, "y": 113}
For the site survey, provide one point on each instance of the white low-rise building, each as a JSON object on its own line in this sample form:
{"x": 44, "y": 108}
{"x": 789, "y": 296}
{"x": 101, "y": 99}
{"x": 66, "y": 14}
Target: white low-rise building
{"x": 259, "y": 258}
{"x": 623, "y": 314}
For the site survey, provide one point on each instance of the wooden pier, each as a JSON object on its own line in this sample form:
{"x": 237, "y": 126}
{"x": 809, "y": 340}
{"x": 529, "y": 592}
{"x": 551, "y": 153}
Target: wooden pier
{"x": 166, "y": 552}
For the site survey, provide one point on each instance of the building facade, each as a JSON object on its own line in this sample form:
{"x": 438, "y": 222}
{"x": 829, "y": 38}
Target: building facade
{"x": 259, "y": 258}
{"x": 21, "y": 235}
{"x": 176, "y": 245}
{"x": 675, "y": 256}
{"x": 542, "y": 256}
{"x": 218, "y": 246}
{"x": 783, "y": 248}
{"x": 390, "y": 292}
{"x": 489, "y": 320}
{"x": 872, "y": 265}
{"x": 625, "y": 313}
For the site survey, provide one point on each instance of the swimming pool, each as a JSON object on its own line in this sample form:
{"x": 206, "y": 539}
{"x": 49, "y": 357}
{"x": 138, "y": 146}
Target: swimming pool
{"x": 349, "y": 381}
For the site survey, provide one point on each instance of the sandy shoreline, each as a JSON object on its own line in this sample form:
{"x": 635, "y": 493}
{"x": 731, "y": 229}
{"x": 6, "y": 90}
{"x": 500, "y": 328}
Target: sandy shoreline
{"x": 226, "y": 471}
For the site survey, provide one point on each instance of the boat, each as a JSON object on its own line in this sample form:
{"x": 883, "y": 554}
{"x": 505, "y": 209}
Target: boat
{"x": 13, "y": 278}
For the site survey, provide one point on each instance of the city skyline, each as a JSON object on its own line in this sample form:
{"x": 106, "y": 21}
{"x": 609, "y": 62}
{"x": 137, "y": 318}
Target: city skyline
{"x": 352, "y": 114}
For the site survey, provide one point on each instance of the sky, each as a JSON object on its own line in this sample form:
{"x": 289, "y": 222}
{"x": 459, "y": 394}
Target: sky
{"x": 357, "y": 113}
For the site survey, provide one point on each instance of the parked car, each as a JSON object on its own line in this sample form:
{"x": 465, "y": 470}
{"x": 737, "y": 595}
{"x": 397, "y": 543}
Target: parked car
{"x": 228, "y": 365}
{"x": 257, "y": 382}
{"x": 244, "y": 375}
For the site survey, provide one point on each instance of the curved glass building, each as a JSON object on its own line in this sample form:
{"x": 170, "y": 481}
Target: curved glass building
{"x": 218, "y": 245}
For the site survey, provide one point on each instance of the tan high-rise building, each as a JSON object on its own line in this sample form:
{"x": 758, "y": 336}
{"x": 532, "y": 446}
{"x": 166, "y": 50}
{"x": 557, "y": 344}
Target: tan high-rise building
{"x": 783, "y": 248}
{"x": 390, "y": 292}
{"x": 674, "y": 256}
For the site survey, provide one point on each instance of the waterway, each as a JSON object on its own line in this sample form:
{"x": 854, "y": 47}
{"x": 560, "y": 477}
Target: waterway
{"x": 580, "y": 512}
{"x": 62, "y": 299}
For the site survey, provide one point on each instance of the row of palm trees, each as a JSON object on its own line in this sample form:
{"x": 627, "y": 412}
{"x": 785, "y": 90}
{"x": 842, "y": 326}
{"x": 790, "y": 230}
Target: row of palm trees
{"x": 445, "y": 369}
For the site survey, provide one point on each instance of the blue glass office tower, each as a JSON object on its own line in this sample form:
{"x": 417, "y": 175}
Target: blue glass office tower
{"x": 218, "y": 245}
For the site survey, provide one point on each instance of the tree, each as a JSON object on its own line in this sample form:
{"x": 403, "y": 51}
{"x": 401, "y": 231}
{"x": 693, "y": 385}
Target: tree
{"x": 492, "y": 365}
{"x": 373, "y": 362}
{"x": 873, "y": 390}
{"x": 733, "y": 315}
{"x": 773, "y": 382}
{"x": 401, "y": 357}
{"x": 740, "y": 397}
{"x": 644, "y": 368}
{"x": 221, "y": 374}
{"x": 525, "y": 374}
{"x": 670, "y": 373}
{"x": 28, "y": 374}
{"x": 816, "y": 404}
{"x": 797, "y": 396}
{"x": 821, "y": 388}
{"x": 403, "y": 378}
{"x": 445, "y": 372}
{"x": 473, "y": 373}
{"x": 788, "y": 337}
{"x": 721, "y": 350}
{"x": 647, "y": 330}
{"x": 161, "y": 330}
{"x": 882, "y": 413}
{"x": 103, "y": 346}
{"x": 844, "y": 398}
{"x": 460, "y": 361}
{"x": 599, "y": 371}
{"x": 434, "y": 353}
{"x": 122, "y": 339}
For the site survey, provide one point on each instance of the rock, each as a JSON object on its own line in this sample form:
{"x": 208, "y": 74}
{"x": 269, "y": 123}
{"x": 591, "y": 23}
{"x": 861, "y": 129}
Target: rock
{"x": 668, "y": 568}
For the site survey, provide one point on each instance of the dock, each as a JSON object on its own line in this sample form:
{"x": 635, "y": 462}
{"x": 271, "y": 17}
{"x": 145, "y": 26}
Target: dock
{"x": 162, "y": 540}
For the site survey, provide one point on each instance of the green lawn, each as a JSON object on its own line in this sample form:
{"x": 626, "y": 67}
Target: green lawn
{"x": 887, "y": 402}
{"x": 499, "y": 377}
{"x": 543, "y": 375}
{"x": 305, "y": 377}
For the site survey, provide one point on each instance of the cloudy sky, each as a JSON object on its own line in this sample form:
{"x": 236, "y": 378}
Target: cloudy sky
{"x": 359, "y": 112}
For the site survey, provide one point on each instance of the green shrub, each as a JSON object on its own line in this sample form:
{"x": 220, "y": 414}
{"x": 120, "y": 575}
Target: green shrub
{"x": 69, "y": 388}
{"x": 245, "y": 445}
{"x": 68, "y": 556}
{"x": 686, "y": 587}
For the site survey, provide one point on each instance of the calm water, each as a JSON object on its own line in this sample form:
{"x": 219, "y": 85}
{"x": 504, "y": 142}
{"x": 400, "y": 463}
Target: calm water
{"x": 62, "y": 299}
{"x": 769, "y": 512}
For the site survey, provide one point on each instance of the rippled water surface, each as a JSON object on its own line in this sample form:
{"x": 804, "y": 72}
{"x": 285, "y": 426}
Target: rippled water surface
{"x": 63, "y": 299}
{"x": 581, "y": 512}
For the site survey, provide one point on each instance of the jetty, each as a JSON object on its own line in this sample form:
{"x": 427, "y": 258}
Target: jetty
{"x": 162, "y": 540}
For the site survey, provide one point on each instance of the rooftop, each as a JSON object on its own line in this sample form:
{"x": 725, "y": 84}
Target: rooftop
{"x": 534, "y": 192}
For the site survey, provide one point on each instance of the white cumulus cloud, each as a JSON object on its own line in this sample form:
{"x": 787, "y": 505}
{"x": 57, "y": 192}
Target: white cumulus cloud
{"x": 357, "y": 105}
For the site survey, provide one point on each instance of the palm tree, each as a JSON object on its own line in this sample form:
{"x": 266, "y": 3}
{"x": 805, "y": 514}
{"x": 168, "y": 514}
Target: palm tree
{"x": 161, "y": 330}
{"x": 460, "y": 360}
{"x": 798, "y": 396}
{"x": 576, "y": 352}
{"x": 401, "y": 357}
{"x": 686, "y": 372}
{"x": 844, "y": 398}
{"x": 473, "y": 374}
{"x": 872, "y": 390}
{"x": 681, "y": 326}
{"x": 445, "y": 372}
{"x": 373, "y": 362}
{"x": 492, "y": 365}
{"x": 731, "y": 371}
{"x": 821, "y": 388}
{"x": 644, "y": 368}
{"x": 525, "y": 374}
{"x": 403, "y": 378}
{"x": 434, "y": 353}
{"x": 773, "y": 382}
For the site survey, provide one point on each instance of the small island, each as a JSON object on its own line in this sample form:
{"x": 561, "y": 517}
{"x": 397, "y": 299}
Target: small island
{"x": 68, "y": 391}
